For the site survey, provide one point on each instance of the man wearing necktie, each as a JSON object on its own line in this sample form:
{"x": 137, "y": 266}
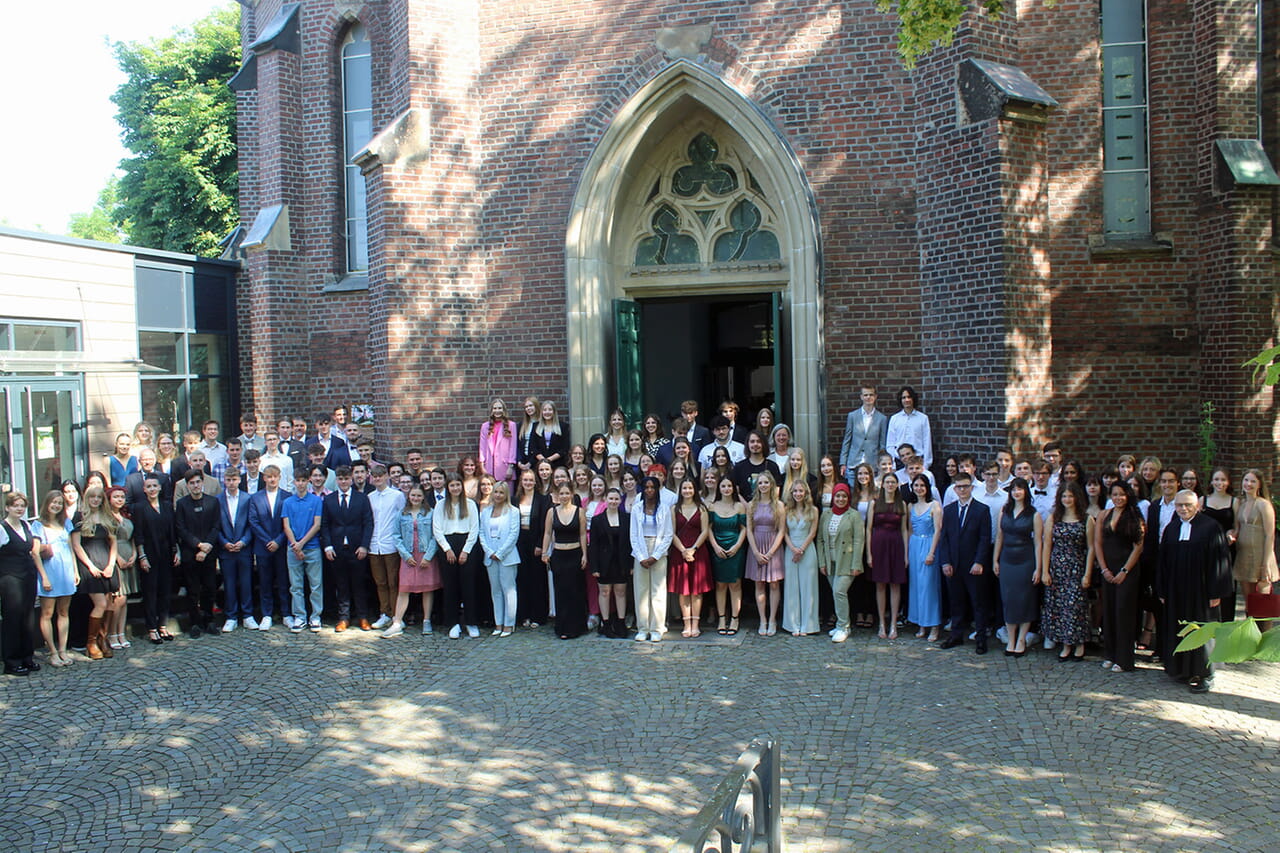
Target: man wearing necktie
{"x": 964, "y": 550}
{"x": 346, "y": 530}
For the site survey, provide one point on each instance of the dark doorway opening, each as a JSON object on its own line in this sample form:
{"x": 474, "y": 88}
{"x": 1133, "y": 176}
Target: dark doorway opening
{"x": 711, "y": 349}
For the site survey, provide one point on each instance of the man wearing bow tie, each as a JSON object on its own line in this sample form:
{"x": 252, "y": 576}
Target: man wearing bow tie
{"x": 1042, "y": 491}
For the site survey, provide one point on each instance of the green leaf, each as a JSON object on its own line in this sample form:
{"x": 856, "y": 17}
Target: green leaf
{"x": 1239, "y": 643}
{"x": 1194, "y": 636}
{"x": 1269, "y": 647}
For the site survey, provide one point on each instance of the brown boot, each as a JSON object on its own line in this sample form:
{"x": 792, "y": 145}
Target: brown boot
{"x": 91, "y": 649}
{"x": 103, "y": 645}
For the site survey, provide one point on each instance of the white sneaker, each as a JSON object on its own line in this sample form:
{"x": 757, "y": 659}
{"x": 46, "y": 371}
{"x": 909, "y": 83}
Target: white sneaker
{"x": 497, "y": 632}
{"x": 314, "y": 624}
{"x": 396, "y": 629}
{"x": 455, "y": 632}
{"x": 973, "y": 635}
{"x": 383, "y": 621}
{"x": 642, "y": 636}
{"x": 426, "y": 626}
{"x": 655, "y": 636}
{"x": 1002, "y": 634}
{"x": 295, "y": 625}
{"x": 833, "y": 632}
{"x": 288, "y": 622}
{"x": 839, "y": 636}
{"x": 228, "y": 626}
{"x": 265, "y": 624}
{"x": 1033, "y": 638}
{"x": 1049, "y": 644}
{"x": 473, "y": 632}
{"x": 252, "y": 624}
{"x": 592, "y": 621}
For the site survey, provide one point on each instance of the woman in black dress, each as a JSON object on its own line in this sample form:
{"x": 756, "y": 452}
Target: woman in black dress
{"x": 609, "y": 556}
{"x": 19, "y": 569}
{"x": 93, "y": 541}
{"x": 1117, "y": 549}
{"x": 157, "y": 557}
{"x": 564, "y": 550}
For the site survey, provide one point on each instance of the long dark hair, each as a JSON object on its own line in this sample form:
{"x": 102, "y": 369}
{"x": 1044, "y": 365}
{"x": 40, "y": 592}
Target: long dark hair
{"x": 1077, "y": 492}
{"x": 1010, "y": 506}
{"x": 1129, "y": 522}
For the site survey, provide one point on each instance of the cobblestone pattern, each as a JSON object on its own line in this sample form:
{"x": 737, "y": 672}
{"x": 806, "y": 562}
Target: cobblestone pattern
{"x": 351, "y": 743}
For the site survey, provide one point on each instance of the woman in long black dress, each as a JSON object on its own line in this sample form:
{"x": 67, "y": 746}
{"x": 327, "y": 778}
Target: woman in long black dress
{"x": 157, "y": 557}
{"x": 1117, "y": 549}
{"x": 531, "y": 576}
{"x": 564, "y": 550}
{"x": 1220, "y": 505}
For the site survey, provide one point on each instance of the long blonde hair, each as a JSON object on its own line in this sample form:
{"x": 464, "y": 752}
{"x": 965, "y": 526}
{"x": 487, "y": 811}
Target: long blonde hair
{"x": 92, "y": 518}
{"x": 790, "y": 476}
{"x": 764, "y": 476}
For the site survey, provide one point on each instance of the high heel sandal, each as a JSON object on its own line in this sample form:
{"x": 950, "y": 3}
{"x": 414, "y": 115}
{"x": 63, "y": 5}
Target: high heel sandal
{"x": 154, "y": 637}
{"x": 722, "y": 630}
{"x": 733, "y": 627}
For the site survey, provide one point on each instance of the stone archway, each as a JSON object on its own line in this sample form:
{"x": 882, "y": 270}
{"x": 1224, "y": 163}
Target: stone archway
{"x": 596, "y": 237}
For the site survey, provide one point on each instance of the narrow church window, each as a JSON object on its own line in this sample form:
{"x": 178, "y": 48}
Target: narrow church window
{"x": 357, "y": 130}
{"x": 1126, "y": 173}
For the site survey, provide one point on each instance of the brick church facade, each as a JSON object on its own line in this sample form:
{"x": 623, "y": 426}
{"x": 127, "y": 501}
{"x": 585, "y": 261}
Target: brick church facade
{"x": 1060, "y": 226}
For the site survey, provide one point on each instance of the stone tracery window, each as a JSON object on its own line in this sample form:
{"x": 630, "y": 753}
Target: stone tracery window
{"x": 699, "y": 212}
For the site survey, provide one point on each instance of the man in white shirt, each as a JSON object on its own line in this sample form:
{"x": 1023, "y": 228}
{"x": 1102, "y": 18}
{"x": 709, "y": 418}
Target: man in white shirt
{"x": 995, "y": 497}
{"x": 352, "y": 432}
{"x": 1052, "y": 454}
{"x": 911, "y": 426}
{"x": 968, "y": 464}
{"x": 1004, "y": 461}
{"x": 720, "y": 429}
{"x": 274, "y": 456}
{"x": 384, "y": 558}
{"x": 1042, "y": 495}
{"x": 266, "y": 522}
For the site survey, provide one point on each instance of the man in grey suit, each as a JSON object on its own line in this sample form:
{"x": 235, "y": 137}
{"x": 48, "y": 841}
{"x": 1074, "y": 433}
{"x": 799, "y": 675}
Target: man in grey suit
{"x": 864, "y": 435}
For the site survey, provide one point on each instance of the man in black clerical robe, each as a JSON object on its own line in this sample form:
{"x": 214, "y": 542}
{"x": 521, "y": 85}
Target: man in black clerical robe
{"x": 1194, "y": 575}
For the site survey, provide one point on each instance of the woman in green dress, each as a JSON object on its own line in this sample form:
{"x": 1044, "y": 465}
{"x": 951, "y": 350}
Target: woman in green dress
{"x": 728, "y": 550}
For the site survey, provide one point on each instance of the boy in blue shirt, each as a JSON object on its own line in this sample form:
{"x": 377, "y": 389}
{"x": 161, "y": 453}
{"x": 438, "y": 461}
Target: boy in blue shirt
{"x": 302, "y": 512}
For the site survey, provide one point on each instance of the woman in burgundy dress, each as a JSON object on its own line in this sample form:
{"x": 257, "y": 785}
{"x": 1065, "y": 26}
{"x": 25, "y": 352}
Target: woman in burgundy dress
{"x": 689, "y": 564}
{"x": 888, "y": 530}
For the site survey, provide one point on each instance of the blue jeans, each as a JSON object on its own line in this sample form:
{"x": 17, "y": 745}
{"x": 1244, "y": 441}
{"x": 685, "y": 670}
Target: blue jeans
{"x": 307, "y": 567}
{"x": 502, "y": 586}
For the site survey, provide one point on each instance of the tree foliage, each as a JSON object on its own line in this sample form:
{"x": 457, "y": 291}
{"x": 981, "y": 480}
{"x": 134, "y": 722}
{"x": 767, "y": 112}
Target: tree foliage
{"x": 179, "y": 189}
{"x": 926, "y": 24}
{"x": 99, "y": 223}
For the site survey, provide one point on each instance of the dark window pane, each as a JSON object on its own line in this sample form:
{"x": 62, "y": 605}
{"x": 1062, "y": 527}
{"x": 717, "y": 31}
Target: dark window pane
{"x": 208, "y": 354}
{"x": 164, "y": 406}
{"x": 163, "y": 350}
{"x": 208, "y": 400}
{"x": 213, "y": 298}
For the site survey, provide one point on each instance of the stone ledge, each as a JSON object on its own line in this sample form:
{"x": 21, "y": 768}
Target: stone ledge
{"x": 1105, "y": 246}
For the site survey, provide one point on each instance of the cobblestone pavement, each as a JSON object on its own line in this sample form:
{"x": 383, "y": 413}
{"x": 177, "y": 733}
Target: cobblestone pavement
{"x": 348, "y": 742}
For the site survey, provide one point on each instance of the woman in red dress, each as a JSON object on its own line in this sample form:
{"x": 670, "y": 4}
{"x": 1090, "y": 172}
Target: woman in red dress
{"x": 689, "y": 573}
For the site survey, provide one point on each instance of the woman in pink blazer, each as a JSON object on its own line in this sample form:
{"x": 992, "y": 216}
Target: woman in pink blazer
{"x": 498, "y": 444}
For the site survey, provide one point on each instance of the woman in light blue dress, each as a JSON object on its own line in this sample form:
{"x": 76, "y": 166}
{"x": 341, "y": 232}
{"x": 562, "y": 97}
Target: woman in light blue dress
{"x": 61, "y": 575}
{"x": 924, "y": 607}
{"x": 800, "y": 592}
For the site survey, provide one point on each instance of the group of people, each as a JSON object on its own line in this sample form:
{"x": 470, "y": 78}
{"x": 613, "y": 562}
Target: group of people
{"x": 304, "y": 520}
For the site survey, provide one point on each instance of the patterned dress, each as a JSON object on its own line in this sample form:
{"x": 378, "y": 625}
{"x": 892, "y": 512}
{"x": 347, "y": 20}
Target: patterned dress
{"x": 1065, "y": 617}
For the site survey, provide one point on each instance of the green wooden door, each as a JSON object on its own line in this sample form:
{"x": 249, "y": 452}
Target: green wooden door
{"x": 628, "y": 364}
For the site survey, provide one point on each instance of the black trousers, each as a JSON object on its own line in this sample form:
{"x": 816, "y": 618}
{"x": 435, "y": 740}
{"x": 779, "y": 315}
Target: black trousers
{"x": 533, "y": 599}
{"x": 461, "y": 588}
{"x": 157, "y": 588}
{"x": 1120, "y": 619}
{"x": 351, "y": 582}
{"x": 201, "y": 578}
{"x": 969, "y": 598}
{"x": 18, "y": 618}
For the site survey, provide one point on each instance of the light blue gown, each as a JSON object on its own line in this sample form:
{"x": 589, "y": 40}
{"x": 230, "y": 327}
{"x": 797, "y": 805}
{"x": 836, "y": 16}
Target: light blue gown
{"x": 61, "y": 566}
{"x": 800, "y": 591}
{"x": 924, "y": 605}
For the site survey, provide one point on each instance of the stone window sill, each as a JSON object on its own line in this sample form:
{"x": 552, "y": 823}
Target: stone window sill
{"x": 1107, "y": 246}
{"x": 351, "y": 282}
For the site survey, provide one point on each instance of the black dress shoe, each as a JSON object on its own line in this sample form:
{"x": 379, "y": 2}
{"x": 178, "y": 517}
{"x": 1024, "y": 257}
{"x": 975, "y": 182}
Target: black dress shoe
{"x": 1201, "y": 685}
{"x": 16, "y": 670}
{"x": 952, "y": 642}
{"x": 31, "y": 665}
{"x": 212, "y": 630}
{"x": 194, "y": 631}
{"x": 981, "y": 646}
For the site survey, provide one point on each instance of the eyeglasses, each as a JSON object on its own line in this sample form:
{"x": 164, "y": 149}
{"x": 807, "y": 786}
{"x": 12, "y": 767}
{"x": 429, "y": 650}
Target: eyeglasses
{"x": 962, "y": 485}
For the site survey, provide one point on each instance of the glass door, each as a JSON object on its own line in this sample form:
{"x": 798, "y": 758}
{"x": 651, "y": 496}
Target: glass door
{"x": 46, "y": 432}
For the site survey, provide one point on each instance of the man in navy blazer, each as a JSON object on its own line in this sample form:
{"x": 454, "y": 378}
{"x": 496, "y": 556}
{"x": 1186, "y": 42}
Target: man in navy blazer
{"x": 266, "y": 523}
{"x": 865, "y": 431}
{"x": 698, "y": 435}
{"x": 346, "y": 530}
{"x": 964, "y": 550}
{"x": 235, "y": 555}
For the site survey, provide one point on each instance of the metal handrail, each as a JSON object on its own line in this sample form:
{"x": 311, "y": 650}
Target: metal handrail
{"x": 745, "y": 810}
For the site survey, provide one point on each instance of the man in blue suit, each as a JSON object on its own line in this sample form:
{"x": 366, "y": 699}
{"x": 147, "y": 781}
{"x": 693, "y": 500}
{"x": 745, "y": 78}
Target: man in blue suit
{"x": 964, "y": 550}
{"x": 266, "y": 524}
{"x": 346, "y": 531}
{"x": 234, "y": 554}
{"x": 864, "y": 435}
